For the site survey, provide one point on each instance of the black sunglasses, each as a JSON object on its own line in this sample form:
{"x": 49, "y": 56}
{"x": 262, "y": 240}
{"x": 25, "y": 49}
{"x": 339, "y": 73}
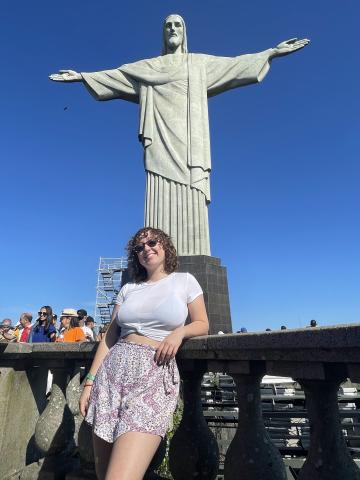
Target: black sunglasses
{"x": 140, "y": 248}
{"x": 41, "y": 313}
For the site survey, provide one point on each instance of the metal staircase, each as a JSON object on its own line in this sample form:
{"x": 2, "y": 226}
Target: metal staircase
{"x": 108, "y": 286}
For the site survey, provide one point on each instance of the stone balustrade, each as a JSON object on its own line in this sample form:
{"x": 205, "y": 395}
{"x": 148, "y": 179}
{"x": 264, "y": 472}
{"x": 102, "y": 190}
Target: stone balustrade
{"x": 39, "y": 437}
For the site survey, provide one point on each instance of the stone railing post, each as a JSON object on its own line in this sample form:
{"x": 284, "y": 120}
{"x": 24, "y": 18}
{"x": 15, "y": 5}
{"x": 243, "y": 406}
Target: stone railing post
{"x": 83, "y": 431}
{"x": 22, "y": 401}
{"x": 55, "y": 428}
{"x": 194, "y": 451}
{"x": 251, "y": 454}
{"x": 86, "y": 452}
{"x": 328, "y": 457}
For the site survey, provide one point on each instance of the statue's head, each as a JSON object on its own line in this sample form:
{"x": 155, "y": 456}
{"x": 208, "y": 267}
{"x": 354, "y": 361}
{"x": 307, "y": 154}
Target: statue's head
{"x": 174, "y": 34}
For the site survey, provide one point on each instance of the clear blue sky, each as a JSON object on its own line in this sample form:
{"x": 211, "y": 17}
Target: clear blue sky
{"x": 285, "y": 183}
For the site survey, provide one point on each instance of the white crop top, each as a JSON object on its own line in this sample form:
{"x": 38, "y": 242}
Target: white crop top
{"x": 155, "y": 309}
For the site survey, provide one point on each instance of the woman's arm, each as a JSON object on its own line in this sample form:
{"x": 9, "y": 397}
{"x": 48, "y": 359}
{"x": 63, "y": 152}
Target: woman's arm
{"x": 199, "y": 325}
{"x": 109, "y": 340}
{"x": 199, "y": 320}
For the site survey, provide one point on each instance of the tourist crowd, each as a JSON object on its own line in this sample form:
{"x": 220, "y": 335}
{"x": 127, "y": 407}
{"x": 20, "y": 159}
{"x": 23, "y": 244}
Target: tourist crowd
{"x": 74, "y": 326}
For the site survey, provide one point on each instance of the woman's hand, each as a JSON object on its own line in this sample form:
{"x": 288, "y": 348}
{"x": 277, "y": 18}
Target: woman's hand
{"x": 84, "y": 400}
{"x": 169, "y": 346}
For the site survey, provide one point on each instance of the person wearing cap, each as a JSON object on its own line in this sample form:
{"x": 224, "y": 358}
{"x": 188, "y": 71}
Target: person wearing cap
{"x": 88, "y": 329}
{"x": 82, "y": 316}
{"x": 85, "y": 325}
{"x": 70, "y": 321}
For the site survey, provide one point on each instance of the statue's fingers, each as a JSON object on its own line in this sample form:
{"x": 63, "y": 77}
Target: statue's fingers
{"x": 297, "y": 47}
{"x": 56, "y": 78}
{"x": 299, "y": 44}
{"x": 291, "y": 40}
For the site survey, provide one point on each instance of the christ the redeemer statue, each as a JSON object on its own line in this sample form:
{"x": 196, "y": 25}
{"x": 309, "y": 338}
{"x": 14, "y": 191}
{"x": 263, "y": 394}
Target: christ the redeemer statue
{"x": 172, "y": 92}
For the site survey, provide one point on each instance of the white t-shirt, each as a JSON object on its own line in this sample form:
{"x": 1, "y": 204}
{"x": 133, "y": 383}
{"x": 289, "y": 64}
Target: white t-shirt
{"x": 155, "y": 309}
{"x": 88, "y": 332}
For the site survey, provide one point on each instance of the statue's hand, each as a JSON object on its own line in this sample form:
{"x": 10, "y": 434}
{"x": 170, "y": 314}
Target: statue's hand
{"x": 66, "y": 76}
{"x": 290, "y": 46}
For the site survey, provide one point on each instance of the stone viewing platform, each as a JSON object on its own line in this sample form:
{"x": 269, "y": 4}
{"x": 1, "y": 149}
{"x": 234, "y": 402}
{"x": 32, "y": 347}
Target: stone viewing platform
{"x": 47, "y": 439}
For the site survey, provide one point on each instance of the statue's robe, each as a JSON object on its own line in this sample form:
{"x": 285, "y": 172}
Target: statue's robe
{"x": 174, "y": 131}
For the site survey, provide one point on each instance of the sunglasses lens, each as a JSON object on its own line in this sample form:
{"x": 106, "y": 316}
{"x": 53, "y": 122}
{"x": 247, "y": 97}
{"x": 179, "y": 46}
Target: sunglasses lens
{"x": 150, "y": 243}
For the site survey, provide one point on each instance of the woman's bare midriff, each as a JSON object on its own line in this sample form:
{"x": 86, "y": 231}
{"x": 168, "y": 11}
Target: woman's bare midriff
{"x": 136, "y": 338}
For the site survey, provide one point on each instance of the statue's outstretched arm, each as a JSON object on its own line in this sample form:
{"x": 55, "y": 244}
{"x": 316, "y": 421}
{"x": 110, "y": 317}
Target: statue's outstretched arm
{"x": 289, "y": 46}
{"x": 66, "y": 76}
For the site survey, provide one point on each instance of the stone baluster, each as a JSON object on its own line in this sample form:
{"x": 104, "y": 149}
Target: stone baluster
{"x": 86, "y": 452}
{"x": 251, "y": 454}
{"x": 73, "y": 392}
{"x": 22, "y": 401}
{"x": 194, "y": 451}
{"x": 54, "y": 429}
{"x": 328, "y": 457}
{"x": 83, "y": 431}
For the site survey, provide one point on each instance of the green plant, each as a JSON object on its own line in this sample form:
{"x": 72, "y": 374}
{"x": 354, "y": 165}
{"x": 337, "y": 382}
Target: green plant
{"x": 164, "y": 470}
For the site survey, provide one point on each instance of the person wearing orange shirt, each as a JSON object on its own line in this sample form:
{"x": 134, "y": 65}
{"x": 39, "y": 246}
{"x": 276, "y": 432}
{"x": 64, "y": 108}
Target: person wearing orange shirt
{"x": 70, "y": 321}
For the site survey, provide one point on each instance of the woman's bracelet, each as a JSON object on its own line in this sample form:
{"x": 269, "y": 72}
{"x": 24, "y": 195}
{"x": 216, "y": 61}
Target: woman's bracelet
{"x": 90, "y": 376}
{"x": 88, "y": 385}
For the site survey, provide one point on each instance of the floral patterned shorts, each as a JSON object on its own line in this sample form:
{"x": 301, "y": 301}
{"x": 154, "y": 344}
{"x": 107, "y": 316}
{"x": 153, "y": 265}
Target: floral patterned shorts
{"x": 131, "y": 393}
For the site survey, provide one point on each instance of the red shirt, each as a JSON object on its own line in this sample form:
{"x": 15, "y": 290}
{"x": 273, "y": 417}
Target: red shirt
{"x": 25, "y": 334}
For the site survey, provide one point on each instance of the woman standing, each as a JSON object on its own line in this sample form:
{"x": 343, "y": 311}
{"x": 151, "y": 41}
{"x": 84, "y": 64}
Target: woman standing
{"x": 43, "y": 330}
{"x": 131, "y": 390}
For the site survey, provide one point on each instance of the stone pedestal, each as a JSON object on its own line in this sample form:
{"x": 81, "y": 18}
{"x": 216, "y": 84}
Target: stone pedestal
{"x": 193, "y": 452}
{"x": 212, "y": 277}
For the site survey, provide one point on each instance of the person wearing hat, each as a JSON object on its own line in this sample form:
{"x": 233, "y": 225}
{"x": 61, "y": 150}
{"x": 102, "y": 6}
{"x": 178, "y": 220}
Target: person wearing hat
{"x": 70, "y": 321}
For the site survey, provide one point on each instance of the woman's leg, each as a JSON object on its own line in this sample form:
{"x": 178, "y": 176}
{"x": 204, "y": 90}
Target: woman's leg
{"x": 131, "y": 455}
{"x": 102, "y": 453}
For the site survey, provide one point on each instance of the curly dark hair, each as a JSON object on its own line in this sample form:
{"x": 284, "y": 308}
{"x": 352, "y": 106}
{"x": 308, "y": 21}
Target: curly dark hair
{"x": 136, "y": 271}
